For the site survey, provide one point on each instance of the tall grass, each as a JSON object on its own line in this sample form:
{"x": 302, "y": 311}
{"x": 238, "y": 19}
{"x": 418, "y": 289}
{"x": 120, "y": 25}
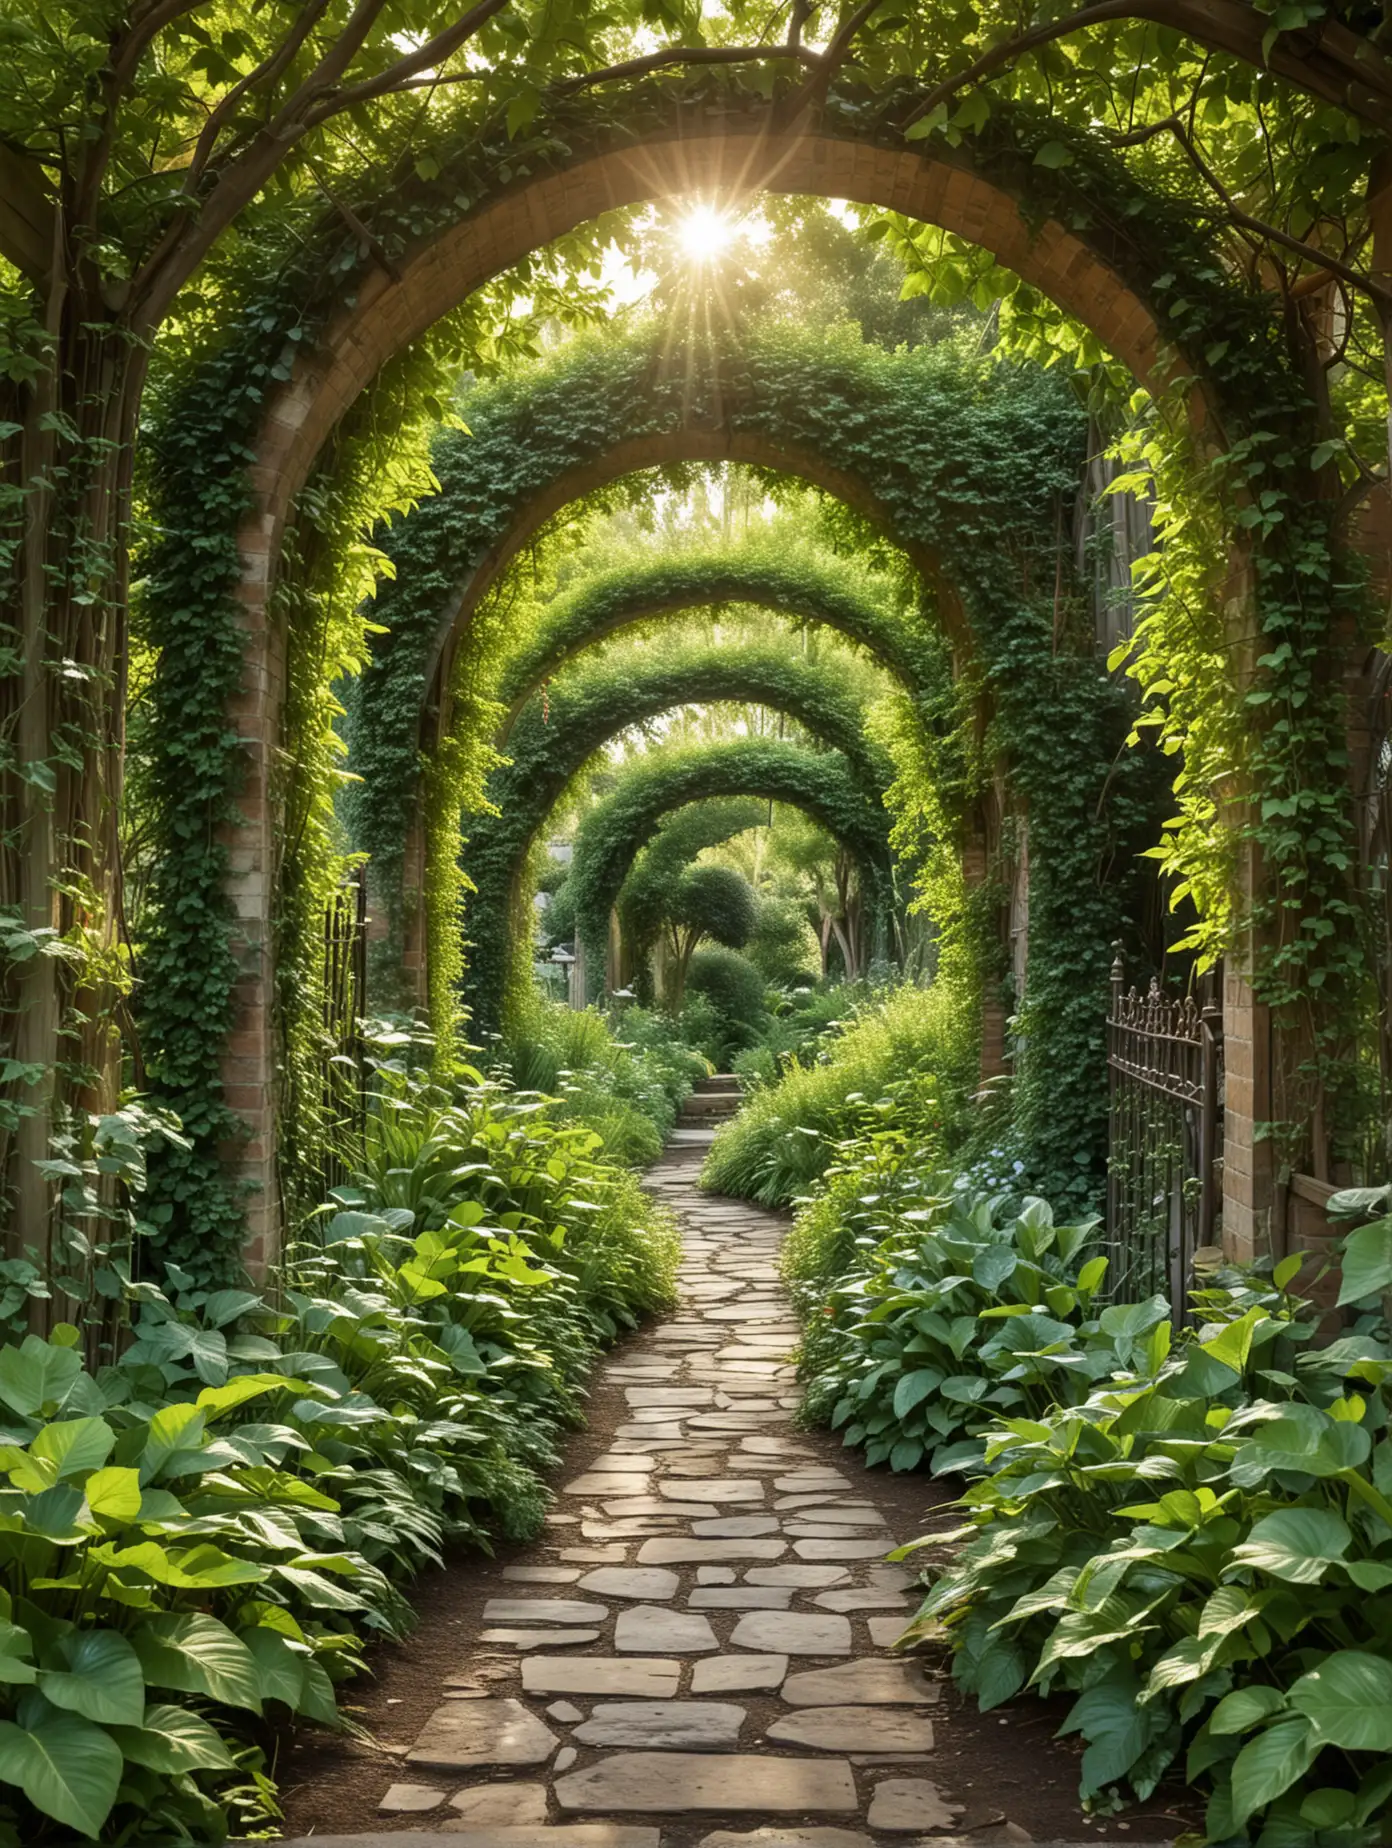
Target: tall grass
{"x": 906, "y": 1059}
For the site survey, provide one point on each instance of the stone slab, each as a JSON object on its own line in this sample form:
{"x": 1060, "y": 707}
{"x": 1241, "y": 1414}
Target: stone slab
{"x": 886, "y": 1631}
{"x": 713, "y": 1489}
{"x": 644, "y": 1630}
{"x": 788, "y": 1838}
{"x": 740, "y": 1598}
{"x": 854, "y": 1729}
{"x": 540, "y": 1639}
{"x": 680, "y": 1783}
{"x": 543, "y": 1610}
{"x": 737, "y": 1674}
{"x": 405, "y": 1797}
{"x": 466, "y": 1733}
{"x": 509, "y": 1805}
{"x": 664, "y": 1725}
{"x": 682, "y": 1552}
{"x": 871, "y": 1682}
{"x": 840, "y": 1549}
{"x": 793, "y": 1633}
{"x": 910, "y": 1805}
{"x": 645, "y": 1678}
{"x": 542, "y": 1575}
{"x": 609, "y": 1482}
{"x": 735, "y": 1527}
{"x": 803, "y": 1577}
{"x": 631, "y": 1582}
{"x": 869, "y": 1598}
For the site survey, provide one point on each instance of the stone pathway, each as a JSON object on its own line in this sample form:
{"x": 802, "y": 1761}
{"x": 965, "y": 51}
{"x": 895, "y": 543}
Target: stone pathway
{"x": 697, "y": 1656}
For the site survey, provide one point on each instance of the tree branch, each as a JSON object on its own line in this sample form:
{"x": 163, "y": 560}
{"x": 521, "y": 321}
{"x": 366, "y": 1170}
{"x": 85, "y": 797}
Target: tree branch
{"x": 266, "y": 72}
{"x": 1326, "y": 60}
{"x": 814, "y": 92}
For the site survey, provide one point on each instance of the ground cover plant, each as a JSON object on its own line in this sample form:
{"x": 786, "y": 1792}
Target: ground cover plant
{"x": 623, "y": 1076}
{"x": 197, "y": 1537}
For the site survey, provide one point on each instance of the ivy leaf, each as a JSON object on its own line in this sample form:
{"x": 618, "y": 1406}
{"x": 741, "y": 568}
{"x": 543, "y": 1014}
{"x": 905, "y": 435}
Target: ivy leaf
{"x": 1054, "y": 154}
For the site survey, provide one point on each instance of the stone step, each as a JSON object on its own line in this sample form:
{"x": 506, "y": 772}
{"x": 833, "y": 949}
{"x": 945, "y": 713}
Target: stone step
{"x": 718, "y": 1081}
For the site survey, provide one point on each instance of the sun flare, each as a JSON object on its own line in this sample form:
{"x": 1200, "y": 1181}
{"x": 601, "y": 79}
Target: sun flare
{"x": 703, "y": 233}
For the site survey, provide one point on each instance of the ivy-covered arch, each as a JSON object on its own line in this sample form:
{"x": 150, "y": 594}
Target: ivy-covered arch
{"x": 1064, "y": 213}
{"x": 813, "y": 589}
{"x": 554, "y": 737}
{"x": 818, "y": 783}
{"x": 965, "y": 465}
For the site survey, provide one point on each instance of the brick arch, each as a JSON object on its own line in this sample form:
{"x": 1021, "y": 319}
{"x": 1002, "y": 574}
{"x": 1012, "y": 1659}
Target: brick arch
{"x": 741, "y": 151}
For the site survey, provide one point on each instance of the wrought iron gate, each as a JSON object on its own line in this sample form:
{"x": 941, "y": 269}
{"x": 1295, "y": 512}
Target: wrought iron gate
{"x": 1165, "y": 1082}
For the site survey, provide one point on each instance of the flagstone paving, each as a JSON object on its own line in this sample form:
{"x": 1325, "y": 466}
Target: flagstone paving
{"x": 725, "y": 1680}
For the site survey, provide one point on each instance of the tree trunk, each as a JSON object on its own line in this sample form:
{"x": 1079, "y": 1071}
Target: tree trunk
{"x": 65, "y": 607}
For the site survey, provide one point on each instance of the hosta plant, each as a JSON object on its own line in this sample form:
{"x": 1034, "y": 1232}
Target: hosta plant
{"x": 1200, "y": 1552}
{"x": 953, "y": 1311}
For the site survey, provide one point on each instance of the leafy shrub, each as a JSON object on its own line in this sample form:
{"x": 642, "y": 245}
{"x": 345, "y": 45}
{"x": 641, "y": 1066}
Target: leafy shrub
{"x": 735, "y": 991}
{"x": 900, "y": 1060}
{"x": 627, "y": 1089}
{"x": 950, "y": 1315}
{"x": 194, "y": 1537}
{"x": 1200, "y": 1551}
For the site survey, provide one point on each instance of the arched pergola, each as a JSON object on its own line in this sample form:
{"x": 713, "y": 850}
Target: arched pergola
{"x": 754, "y": 572}
{"x": 551, "y": 742}
{"x": 1114, "y": 271}
{"x": 819, "y": 784}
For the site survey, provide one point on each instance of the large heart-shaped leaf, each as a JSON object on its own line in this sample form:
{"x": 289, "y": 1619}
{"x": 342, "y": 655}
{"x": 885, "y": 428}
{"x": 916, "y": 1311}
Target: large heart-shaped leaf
{"x": 1348, "y": 1701}
{"x": 1296, "y": 1544}
{"x": 73, "y": 1445}
{"x": 198, "y": 1655}
{"x": 68, "y": 1768}
{"x": 173, "y": 1740}
{"x": 102, "y": 1680}
{"x": 114, "y": 1493}
{"x": 1367, "y": 1262}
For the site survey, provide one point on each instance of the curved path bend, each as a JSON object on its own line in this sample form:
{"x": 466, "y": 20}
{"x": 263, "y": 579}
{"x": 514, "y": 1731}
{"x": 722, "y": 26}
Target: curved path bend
{"x": 697, "y": 1653}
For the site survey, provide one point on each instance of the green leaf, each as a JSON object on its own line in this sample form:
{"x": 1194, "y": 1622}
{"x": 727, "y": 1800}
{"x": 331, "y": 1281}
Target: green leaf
{"x": 1367, "y": 1262}
{"x": 914, "y": 1388}
{"x": 1233, "y": 1343}
{"x": 68, "y": 1768}
{"x": 1245, "y": 1708}
{"x": 74, "y": 1444}
{"x": 198, "y": 1655}
{"x": 1348, "y": 1701}
{"x": 280, "y": 1666}
{"x": 1296, "y": 1544}
{"x": 1269, "y": 1764}
{"x": 1054, "y": 154}
{"x": 102, "y": 1681}
{"x": 173, "y": 1428}
{"x": 113, "y": 1494}
{"x": 173, "y": 1741}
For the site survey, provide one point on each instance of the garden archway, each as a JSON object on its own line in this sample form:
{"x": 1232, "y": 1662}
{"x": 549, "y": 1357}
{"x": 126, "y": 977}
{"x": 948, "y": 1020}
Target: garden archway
{"x": 549, "y": 745}
{"x": 818, "y": 784}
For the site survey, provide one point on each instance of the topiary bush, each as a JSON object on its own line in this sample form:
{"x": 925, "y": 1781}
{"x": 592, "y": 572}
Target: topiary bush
{"x": 735, "y": 990}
